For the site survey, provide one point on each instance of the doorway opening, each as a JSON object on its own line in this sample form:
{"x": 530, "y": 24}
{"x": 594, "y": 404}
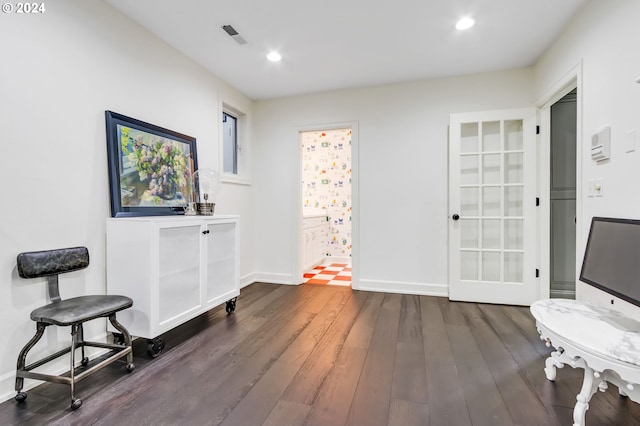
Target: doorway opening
{"x": 326, "y": 195}
{"x": 562, "y": 197}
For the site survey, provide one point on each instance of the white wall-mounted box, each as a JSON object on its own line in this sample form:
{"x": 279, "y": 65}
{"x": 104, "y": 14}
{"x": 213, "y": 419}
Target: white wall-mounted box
{"x": 601, "y": 145}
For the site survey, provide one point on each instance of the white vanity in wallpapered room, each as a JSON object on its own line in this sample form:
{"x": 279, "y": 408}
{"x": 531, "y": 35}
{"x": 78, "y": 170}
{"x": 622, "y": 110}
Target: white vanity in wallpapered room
{"x": 315, "y": 240}
{"x": 326, "y": 196}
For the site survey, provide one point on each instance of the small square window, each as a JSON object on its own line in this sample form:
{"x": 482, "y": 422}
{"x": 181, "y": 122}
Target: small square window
{"x": 230, "y": 143}
{"x": 234, "y": 155}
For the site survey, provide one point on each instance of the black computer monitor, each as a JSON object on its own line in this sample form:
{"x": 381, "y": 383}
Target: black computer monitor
{"x": 612, "y": 258}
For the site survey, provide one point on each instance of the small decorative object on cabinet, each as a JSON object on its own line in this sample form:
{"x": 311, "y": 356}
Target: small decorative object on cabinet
{"x": 174, "y": 269}
{"x": 207, "y": 187}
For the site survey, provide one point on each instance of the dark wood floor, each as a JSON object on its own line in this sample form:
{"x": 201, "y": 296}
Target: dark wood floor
{"x": 318, "y": 355}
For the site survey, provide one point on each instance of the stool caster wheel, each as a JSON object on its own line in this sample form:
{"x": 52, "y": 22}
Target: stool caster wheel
{"x": 130, "y": 367}
{"x": 85, "y": 361}
{"x": 76, "y": 403}
{"x": 21, "y": 396}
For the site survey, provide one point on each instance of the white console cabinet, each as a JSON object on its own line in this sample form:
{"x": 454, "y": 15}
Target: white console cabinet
{"x": 173, "y": 267}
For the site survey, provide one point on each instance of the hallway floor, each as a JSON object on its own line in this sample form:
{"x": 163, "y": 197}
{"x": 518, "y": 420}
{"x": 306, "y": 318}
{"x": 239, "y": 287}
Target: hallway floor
{"x": 326, "y": 355}
{"x": 329, "y": 274}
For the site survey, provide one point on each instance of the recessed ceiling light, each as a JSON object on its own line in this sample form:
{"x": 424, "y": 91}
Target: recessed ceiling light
{"x": 274, "y": 56}
{"x": 465, "y": 24}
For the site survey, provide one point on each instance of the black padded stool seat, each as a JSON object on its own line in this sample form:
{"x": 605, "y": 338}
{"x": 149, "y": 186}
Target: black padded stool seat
{"x": 69, "y": 312}
{"x": 80, "y": 309}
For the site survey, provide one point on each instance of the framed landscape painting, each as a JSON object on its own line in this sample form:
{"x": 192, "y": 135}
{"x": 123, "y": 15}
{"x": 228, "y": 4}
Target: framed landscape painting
{"x": 150, "y": 168}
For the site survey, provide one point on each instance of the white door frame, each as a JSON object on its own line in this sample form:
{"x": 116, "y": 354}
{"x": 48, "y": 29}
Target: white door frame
{"x": 571, "y": 80}
{"x": 297, "y": 273}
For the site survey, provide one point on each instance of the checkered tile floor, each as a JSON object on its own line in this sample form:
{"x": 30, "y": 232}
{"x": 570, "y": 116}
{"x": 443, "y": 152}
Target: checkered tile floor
{"x": 329, "y": 274}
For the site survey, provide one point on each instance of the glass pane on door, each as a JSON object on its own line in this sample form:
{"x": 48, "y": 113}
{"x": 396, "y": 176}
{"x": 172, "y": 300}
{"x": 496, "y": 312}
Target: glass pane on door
{"x": 513, "y": 267}
{"x": 491, "y": 168}
{"x": 491, "y": 266}
{"x": 513, "y": 135}
{"x": 491, "y": 136}
{"x": 513, "y": 201}
{"x": 491, "y": 233}
{"x": 469, "y": 201}
{"x": 491, "y": 201}
{"x": 513, "y": 167}
{"x": 469, "y": 237}
{"x": 513, "y": 234}
{"x": 469, "y": 265}
{"x": 469, "y": 138}
{"x": 469, "y": 173}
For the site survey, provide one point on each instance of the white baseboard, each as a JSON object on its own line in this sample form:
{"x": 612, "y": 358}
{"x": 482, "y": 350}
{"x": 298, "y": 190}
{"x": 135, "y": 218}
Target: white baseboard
{"x": 268, "y": 277}
{"x": 337, "y": 259}
{"x": 7, "y": 381}
{"x": 247, "y": 279}
{"x": 422, "y": 289}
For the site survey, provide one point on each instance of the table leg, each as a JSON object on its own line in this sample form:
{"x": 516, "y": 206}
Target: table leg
{"x": 589, "y": 386}
{"x": 551, "y": 364}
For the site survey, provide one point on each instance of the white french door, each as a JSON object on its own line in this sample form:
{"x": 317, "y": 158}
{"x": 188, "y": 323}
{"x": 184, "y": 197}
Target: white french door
{"x": 492, "y": 216}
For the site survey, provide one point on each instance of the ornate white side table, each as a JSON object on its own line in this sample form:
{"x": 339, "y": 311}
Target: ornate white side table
{"x": 603, "y": 342}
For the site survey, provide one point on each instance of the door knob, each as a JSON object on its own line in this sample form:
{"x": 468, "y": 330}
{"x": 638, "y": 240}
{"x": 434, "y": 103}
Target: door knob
{"x": 455, "y": 216}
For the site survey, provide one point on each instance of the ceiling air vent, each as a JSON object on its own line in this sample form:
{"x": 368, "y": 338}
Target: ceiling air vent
{"x": 234, "y": 34}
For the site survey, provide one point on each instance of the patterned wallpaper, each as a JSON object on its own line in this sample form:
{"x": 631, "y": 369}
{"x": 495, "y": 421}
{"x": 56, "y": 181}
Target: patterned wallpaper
{"x": 326, "y": 182}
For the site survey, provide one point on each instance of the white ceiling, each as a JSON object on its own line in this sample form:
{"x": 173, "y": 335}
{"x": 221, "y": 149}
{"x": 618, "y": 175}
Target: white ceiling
{"x": 337, "y": 44}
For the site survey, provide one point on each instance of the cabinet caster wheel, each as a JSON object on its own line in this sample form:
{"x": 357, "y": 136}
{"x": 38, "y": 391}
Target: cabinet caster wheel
{"x": 75, "y": 404}
{"x": 155, "y": 347}
{"x": 21, "y": 396}
{"x": 85, "y": 361}
{"x": 231, "y": 305}
{"x": 130, "y": 367}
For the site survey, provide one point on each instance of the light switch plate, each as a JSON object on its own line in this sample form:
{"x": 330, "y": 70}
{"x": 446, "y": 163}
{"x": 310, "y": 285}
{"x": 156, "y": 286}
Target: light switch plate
{"x": 630, "y": 140}
{"x": 598, "y": 187}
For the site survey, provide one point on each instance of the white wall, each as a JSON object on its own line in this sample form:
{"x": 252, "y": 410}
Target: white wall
{"x": 604, "y": 38}
{"x": 60, "y": 71}
{"x": 401, "y": 174}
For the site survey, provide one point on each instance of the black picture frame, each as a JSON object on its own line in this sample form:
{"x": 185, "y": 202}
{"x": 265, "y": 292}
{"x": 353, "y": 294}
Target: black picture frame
{"x": 150, "y": 168}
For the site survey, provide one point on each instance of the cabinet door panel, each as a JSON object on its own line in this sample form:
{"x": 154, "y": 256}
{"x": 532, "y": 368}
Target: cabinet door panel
{"x": 221, "y": 261}
{"x": 179, "y": 271}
